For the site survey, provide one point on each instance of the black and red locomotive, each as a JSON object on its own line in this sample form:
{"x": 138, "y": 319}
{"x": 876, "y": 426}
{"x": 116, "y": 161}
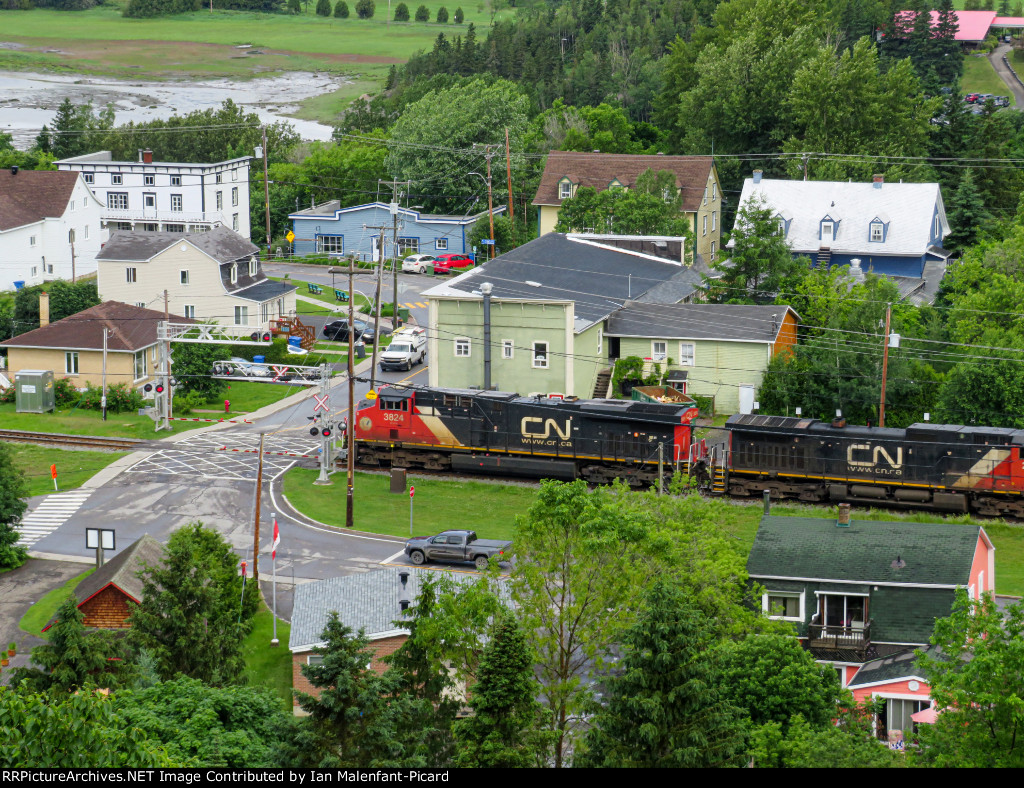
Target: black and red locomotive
{"x": 928, "y": 466}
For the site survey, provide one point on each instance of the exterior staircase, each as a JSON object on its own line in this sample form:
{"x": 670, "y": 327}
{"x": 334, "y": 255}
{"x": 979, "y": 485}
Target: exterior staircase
{"x": 603, "y": 384}
{"x": 824, "y": 258}
{"x": 292, "y": 326}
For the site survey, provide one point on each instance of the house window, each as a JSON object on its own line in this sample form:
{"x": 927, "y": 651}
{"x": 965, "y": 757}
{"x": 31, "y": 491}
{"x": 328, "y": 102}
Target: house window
{"x": 705, "y": 195}
{"x": 441, "y": 244}
{"x": 175, "y": 180}
{"x": 190, "y": 311}
{"x": 507, "y": 348}
{"x": 659, "y": 351}
{"x": 241, "y": 315}
{"x": 315, "y": 659}
{"x": 265, "y": 312}
{"x": 149, "y": 201}
{"x": 714, "y": 220}
{"x": 218, "y": 178}
{"x": 71, "y": 363}
{"x": 89, "y": 177}
{"x": 174, "y": 228}
{"x": 704, "y": 226}
{"x": 842, "y": 611}
{"x": 687, "y": 354}
{"x": 71, "y": 235}
{"x": 877, "y": 232}
{"x": 117, "y": 200}
{"x": 540, "y": 355}
{"x": 407, "y": 246}
{"x": 234, "y": 195}
{"x": 49, "y": 268}
{"x": 131, "y": 275}
{"x": 600, "y": 341}
{"x": 31, "y": 240}
{"x": 85, "y": 233}
{"x": 462, "y": 347}
{"x": 184, "y": 276}
{"x": 85, "y": 203}
{"x": 71, "y": 206}
{"x": 897, "y": 715}
{"x": 234, "y": 222}
{"x": 331, "y": 244}
{"x": 35, "y": 270}
{"x": 149, "y": 180}
{"x": 782, "y": 227}
{"x": 783, "y": 605}
{"x": 253, "y": 267}
{"x": 826, "y": 231}
{"x": 937, "y": 226}
{"x": 220, "y": 200}
{"x": 116, "y": 179}
{"x": 176, "y": 202}
{"x": 234, "y": 175}
{"x": 712, "y": 250}
{"x": 234, "y": 273}
{"x": 564, "y": 190}
{"x": 140, "y": 304}
{"x": 714, "y": 190}
{"x": 140, "y": 365}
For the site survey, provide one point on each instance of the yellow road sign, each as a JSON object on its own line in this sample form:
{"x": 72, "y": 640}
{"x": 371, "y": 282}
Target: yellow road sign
{"x": 371, "y": 395}
{"x": 290, "y": 236}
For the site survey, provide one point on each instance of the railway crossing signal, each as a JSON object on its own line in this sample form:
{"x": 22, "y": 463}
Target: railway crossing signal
{"x": 321, "y": 403}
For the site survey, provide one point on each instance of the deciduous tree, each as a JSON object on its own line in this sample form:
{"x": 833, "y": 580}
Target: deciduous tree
{"x": 12, "y": 508}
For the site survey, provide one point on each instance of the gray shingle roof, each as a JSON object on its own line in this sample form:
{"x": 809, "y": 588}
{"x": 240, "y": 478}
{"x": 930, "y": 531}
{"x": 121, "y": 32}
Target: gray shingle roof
{"x": 264, "y": 291}
{"x": 220, "y": 243}
{"x": 554, "y": 267}
{"x": 369, "y": 601}
{"x": 895, "y": 667}
{"x": 330, "y": 209}
{"x": 810, "y": 547}
{"x": 697, "y": 321}
{"x": 33, "y": 195}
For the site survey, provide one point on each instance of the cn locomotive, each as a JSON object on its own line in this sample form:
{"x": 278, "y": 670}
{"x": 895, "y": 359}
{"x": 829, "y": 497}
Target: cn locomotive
{"x": 503, "y": 433}
{"x": 940, "y": 467}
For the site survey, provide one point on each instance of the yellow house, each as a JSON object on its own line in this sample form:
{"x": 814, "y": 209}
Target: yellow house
{"x": 696, "y": 178}
{"x": 73, "y": 347}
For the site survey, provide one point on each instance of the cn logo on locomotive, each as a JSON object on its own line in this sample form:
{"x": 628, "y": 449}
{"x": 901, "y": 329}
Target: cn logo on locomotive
{"x": 875, "y": 454}
{"x": 547, "y": 425}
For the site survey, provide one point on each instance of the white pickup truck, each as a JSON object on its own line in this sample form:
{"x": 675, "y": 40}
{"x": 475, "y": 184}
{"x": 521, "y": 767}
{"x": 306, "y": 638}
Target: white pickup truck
{"x": 408, "y": 347}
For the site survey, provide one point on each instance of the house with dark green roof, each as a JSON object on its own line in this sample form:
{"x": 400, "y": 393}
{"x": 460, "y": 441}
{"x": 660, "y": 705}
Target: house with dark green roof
{"x": 863, "y": 595}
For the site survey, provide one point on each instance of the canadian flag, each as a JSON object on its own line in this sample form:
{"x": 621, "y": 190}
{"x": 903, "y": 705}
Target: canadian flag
{"x": 277, "y": 541}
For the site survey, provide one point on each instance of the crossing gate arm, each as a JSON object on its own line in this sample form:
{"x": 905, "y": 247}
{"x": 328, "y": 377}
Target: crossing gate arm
{"x": 212, "y": 333}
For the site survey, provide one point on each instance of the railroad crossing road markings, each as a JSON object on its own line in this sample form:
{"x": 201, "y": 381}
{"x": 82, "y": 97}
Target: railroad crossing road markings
{"x": 227, "y": 456}
{"x": 51, "y": 513}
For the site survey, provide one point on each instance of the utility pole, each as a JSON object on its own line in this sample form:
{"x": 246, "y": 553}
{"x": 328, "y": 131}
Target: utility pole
{"x": 376, "y": 301}
{"x": 395, "y": 183}
{"x": 169, "y": 409}
{"x": 266, "y": 186}
{"x": 256, "y": 535}
{"x": 885, "y": 366}
{"x": 103, "y": 396}
{"x": 661, "y": 469}
{"x": 508, "y": 167}
{"x": 488, "y": 155}
{"x": 72, "y": 255}
{"x": 350, "y": 427}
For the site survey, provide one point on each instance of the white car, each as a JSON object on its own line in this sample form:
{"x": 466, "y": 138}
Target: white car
{"x": 417, "y": 263}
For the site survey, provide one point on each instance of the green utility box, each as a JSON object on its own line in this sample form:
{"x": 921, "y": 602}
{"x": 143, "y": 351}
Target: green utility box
{"x": 33, "y": 391}
{"x": 403, "y": 313}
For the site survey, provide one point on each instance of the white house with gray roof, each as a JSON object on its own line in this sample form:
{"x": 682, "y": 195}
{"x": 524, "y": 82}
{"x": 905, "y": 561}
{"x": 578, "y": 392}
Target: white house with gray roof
{"x": 895, "y": 229}
{"x": 215, "y": 275}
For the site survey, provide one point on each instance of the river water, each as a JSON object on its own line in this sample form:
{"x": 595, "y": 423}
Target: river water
{"x": 27, "y": 101}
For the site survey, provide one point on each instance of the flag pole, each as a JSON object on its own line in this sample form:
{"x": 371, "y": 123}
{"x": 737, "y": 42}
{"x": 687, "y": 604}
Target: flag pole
{"x": 273, "y": 560}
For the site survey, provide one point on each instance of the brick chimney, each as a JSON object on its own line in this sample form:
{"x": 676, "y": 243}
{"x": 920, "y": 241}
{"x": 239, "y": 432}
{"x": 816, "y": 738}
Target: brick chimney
{"x": 878, "y": 180}
{"x": 44, "y": 309}
{"x": 757, "y": 175}
{"x": 147, "y": 156}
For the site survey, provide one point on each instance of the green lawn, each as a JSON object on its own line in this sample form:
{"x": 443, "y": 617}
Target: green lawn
{"x": 980, "y": 77}
{"x": 489, "y": 509}
{"x": 73, "y": 467}
{"x": 87, "y": 422}
{"x": 326, "y": 297}
{"x": 249, "y": 396}
{"x": 266, "y": 666}
{"x": 39, "y": 615}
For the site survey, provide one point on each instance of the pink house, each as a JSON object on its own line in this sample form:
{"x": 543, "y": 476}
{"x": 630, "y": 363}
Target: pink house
{"x": 973, "y": 26}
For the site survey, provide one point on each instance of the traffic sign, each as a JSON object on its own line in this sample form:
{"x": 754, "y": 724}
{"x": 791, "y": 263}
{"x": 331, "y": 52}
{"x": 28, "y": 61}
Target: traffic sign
{"x": 289, "y": 236}
{"x": 53, "y": 471}
{"x": 412, "y": 491}
{"x": 321, "y": 403}
{"x": 371, "y": 395}
{"x": 487, "y": 242}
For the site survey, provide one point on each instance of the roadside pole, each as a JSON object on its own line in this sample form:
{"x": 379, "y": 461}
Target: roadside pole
{"x": 103, "y": 396}
{"x": 661, "y": 469}
{"x": 349, "y": 443}
{"x": 412, "y": 494}
{"x": 256, "y": 535}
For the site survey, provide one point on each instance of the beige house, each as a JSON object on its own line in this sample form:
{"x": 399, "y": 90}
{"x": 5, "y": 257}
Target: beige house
{"x": 73, "y": 347}
{"x": 696, "y": 177}
{"x": 212, "y": 276}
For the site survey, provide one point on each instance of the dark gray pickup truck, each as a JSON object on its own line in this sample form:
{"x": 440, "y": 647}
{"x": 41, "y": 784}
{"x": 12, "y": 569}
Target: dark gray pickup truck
{"x": 456, "y": 546}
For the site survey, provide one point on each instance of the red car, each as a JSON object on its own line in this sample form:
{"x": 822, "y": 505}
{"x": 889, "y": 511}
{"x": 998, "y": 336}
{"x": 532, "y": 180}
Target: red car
{"x": 444, "y": 263}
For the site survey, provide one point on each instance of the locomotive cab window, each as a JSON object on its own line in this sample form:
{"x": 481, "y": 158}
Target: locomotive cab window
{"x": 394, "y": 405}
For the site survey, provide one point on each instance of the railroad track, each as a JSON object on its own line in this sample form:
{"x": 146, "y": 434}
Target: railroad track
{"x": 76, "y": 441}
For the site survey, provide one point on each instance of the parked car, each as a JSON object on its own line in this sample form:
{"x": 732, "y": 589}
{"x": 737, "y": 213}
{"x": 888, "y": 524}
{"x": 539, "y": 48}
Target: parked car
{"x": 338, "y": 331}
{"x": 417, "y": 263}
{"x": 972, "y": 98}
{"x": 242, "y": 367}
{"x": 444, "y": 263}
{"x": 408, "y": 347}
{"x": 1001, "y": 101}
{"x": 456, "y": 546}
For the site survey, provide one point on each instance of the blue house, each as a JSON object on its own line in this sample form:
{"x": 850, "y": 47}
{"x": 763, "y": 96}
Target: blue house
{"x": 331, "y": 229}
{"x": 895, "y": 229}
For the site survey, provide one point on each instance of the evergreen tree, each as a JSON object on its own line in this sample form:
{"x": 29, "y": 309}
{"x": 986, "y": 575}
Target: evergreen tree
{"x": 502, "y": 732}
{"x": 193, "y": 615}
{"x": 341, "y": 9}
{"x": 365, "y": 9}
{"x": 72, "y": 658}
{"x": 459, "y": 16}
{"x": 422, "y": 14}
{"x": 442, "y": 16}
{"x": 12, "y": 507}
{"x": 948, "y": 57}
{"x": 294, "y": 6}
{"x": 323, "y": 7}
{"x": 967, "y": 214}
{"x": 43, "y": 140}
{"x": 665, "y": 708}
{"x": 69, "y": 126}
{"x": 401, "y": 13}
{"x": 1004, "y": 7}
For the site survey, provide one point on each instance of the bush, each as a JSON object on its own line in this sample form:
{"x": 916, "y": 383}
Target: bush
{"x": 442, "y": 15}
{"x": 184, "y": 404}
{"x": 459, "y": 16}
{"x": 422, "y": 14}
{"x": 8, "y": 395}
{"x": 323, "y": 7}
{"x": 401, "y": 13}
{"x": 150, "y": 8}
{"x": 365, "y": 9}
{"x": 122, "y": 397}
{"x": 64, "y": 393}
{"x": 294, "y": 6}
{"x": 341, "y": 9}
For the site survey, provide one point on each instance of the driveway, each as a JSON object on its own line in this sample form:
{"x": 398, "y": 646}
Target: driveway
{"x": 1004, "y": 72}
{"x": 19, "y": 590}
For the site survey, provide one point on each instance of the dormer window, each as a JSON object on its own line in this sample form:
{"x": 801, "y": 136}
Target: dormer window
{"x": 564, "y": 189}
{"x": 828, "y": 232}
{"x": 877, "y": 232}
{"x": 234, "y": 273}
{"x": 782, "y": 226}
{"x": 252, "y": 266}
{"x": 615, "y": 184}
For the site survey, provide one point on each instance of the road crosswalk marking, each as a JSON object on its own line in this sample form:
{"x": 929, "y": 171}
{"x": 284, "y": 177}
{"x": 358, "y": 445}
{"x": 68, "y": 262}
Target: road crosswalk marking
{"x": 414, "y": 305}
{"x": 51, "y": 513}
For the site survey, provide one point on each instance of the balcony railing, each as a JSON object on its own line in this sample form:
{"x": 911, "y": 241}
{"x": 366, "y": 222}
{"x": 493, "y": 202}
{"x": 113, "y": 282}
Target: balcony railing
{"x": 855, "y": 636}
{"x": 166, "y": 217}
